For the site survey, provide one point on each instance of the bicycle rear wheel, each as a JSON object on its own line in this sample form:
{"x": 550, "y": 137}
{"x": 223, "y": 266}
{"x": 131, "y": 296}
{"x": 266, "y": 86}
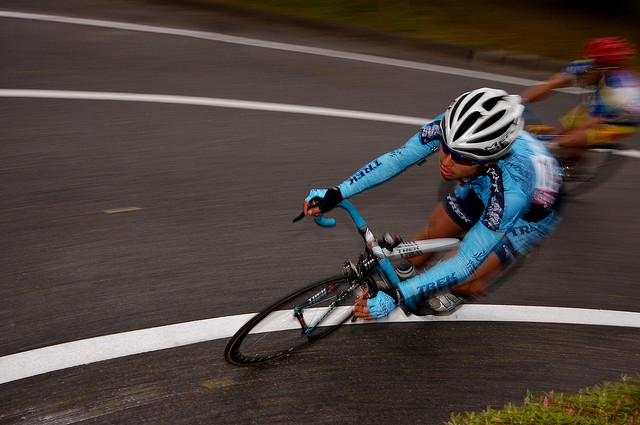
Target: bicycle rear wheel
{"x": 597, "y": 167}
{"x": 278, "y": 330}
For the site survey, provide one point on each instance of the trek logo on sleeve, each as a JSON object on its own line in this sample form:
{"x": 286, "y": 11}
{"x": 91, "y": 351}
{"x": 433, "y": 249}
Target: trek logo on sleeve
{"x": 364, "y": 171}
{"x": 427, "y": 290}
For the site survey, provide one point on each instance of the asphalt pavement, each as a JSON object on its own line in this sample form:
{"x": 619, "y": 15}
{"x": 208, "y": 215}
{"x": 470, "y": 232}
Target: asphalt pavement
{"x": 125, "y": 215}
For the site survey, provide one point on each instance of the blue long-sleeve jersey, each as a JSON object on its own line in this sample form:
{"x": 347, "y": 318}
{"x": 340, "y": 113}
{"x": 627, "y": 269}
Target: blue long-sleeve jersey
{"x": 509, "y": 189}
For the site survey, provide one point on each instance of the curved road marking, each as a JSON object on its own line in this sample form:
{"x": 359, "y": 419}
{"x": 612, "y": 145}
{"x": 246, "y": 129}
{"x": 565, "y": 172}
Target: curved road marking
{"x": 207, "y": 101}
{"x": 62, "y": 356}
{"x": 231, "y": 103}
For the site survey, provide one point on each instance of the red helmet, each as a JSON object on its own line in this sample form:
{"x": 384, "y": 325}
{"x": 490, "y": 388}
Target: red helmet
{"x": 609, "y": 51}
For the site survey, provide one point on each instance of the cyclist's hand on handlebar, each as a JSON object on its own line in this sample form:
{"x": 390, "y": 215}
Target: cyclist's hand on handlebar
{"x": 374, "y": 308}
{"x": 321, "y": 200}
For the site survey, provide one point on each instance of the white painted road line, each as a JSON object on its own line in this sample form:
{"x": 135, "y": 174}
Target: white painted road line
{"x": 215, "y": 102}
{"x": 62, "y": 356}
{"x": 231, "y": 103}
{"x": 628, "y": 152}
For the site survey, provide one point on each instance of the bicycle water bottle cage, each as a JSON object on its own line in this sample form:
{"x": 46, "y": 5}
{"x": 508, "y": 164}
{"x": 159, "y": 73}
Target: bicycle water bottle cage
{"x": 389, "y": 241}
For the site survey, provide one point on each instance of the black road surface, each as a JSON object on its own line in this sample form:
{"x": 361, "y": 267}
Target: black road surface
{"x": 215, "y": 190}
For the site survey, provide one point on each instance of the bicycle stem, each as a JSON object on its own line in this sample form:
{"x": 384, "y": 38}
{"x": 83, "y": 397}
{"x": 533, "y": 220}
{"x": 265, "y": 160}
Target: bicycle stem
{"x": 368, "y": 236}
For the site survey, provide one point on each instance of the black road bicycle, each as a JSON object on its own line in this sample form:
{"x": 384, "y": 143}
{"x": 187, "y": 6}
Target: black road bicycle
{"x": 316, "y": 310}
{"x": 596, "y": 164}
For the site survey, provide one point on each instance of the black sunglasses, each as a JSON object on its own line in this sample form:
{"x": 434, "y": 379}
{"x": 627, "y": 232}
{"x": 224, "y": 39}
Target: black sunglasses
{"x": 457, "y": 158}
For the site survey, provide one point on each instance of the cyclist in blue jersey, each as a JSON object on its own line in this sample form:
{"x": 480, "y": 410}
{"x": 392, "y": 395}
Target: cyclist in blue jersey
{"x": 507, "y": 200}
{"x": 610, "y": 107}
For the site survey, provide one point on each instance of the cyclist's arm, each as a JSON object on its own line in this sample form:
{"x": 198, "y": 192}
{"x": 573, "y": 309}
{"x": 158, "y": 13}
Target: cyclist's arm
{"x": 390, "y": 164}
{"x": 474, "y": 249}
{"x": 541, "y": 90}
{"x": 476, "y": 246}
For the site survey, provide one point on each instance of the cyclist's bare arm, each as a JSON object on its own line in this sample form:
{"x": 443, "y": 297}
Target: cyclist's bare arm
{"x": 541, "y": 90}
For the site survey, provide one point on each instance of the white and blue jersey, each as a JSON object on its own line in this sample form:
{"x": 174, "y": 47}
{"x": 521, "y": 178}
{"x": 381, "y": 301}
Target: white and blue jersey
{"x": 506, "y": 209}
{"x": 616, "y": 96}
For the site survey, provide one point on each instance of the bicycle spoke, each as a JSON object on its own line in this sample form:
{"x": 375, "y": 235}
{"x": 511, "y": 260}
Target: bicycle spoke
{"x": 277, "y": 331}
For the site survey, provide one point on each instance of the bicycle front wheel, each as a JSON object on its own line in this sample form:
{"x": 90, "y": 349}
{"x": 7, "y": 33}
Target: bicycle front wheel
{"x": 299, "y": 319}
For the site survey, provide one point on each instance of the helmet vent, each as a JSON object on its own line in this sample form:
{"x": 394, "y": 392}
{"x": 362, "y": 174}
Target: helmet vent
{"x": 491, "y": 103}
{"x": 491, "y": 120}
{"x": 471, "y": 119}
{"x": 455, "y": 107}
{"x": 444, "y": 131}
{"x": 470, "y": 103}
{"x": 497, "y": 134}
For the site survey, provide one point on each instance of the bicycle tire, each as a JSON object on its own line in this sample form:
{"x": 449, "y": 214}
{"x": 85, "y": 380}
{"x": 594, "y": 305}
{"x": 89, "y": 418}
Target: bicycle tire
{"x": 275, "y": 332}
{"x": 583, "y": 177}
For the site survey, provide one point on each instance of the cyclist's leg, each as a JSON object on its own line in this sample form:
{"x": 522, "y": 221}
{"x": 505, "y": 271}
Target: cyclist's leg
{"x": 455, "y": 214}
{"x": 602, "y": 134}
{"x": 573, "y": 133}
{"x": 581, "y": 163}
{"x": 516, "y": 242}
{"x": 573, "y": 138}
{"x": 440, "y": 226}
{"x": 449, "y": 300}
{"x": 579, "y": 129}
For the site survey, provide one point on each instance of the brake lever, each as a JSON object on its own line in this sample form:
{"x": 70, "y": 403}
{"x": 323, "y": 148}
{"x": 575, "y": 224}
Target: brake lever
{"x": 315, "y": 202}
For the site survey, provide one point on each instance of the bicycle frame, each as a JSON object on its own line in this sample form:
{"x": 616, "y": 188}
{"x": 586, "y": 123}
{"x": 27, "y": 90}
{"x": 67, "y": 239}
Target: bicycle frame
{"x": 402, "y": 250}
{"x": 298, "y": 310}
{"x": 379, "y": 258}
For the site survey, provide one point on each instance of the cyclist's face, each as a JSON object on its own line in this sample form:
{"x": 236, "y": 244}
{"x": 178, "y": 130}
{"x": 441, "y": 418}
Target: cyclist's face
{"x": 591, "y": 77}
{"x": 452, "y": 168}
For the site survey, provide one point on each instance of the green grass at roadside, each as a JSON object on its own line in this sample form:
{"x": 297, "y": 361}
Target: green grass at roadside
{"x": 615, "y": 403}
{"x": 544, "y": 28}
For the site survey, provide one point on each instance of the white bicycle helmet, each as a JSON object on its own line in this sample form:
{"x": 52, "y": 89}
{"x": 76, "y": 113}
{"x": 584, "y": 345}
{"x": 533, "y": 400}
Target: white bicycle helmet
{"x": 482, "y": 124}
